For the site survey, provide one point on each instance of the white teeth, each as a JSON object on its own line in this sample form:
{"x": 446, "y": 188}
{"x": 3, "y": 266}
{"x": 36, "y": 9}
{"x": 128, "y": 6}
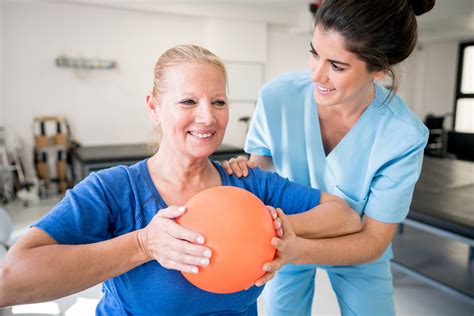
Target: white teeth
{"x": 201, "y": 135}
{"x": 325, "y": 89}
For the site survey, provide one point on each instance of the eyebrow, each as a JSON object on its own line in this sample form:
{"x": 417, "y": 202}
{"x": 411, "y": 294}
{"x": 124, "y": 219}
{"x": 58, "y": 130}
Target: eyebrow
{"x": 331, "y": 60}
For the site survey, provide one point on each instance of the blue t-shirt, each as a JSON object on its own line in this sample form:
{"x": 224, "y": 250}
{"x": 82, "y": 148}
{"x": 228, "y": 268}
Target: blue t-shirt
{"x": 119, "y": 200}
{"x": 374, "y": 167}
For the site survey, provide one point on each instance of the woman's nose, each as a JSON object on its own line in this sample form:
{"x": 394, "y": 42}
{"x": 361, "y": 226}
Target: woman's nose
{"x": 318, "y": 72}
{"x": 205, "y": 114}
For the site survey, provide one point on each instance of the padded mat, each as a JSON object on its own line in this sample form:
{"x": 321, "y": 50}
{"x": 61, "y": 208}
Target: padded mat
{"x": 444, "y": 196}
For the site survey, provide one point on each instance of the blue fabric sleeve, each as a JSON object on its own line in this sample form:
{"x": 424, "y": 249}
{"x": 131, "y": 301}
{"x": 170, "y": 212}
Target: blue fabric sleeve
{"x": 391, "y": 190}
{"x": 83, "y": 216}
{"x": 280, "y": 192}
{"x": 257, "y": 141}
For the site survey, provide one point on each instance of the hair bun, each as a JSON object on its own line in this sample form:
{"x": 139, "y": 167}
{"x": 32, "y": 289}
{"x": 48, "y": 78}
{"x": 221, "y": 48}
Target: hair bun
{"x": 422, "y": 6}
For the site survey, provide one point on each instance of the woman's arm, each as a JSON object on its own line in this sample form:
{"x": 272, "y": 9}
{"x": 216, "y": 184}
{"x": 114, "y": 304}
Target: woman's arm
{"x": 37, "y": 268}
{"x": 264, "y": 162}
{"x": 332, "y": 217}
{"x": 362, "y": 247}
{"x": 241, "y": 164}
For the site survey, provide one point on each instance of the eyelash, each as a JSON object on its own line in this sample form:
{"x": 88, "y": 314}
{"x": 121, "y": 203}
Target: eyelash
{"x": 334, "y": 66}
{"x": 220, "y": 103}
{"x": 191, "y": 102}
{"x": 188, "y": 102}
{"x": 312, "y": 51}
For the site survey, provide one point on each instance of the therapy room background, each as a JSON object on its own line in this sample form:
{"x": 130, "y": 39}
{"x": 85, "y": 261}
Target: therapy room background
{"x": 73, "y": 80}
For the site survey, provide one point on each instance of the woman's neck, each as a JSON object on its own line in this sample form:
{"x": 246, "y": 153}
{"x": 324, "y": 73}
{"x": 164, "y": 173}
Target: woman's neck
{"x": 349, "y": 112}
{"x": 181, "y": 173}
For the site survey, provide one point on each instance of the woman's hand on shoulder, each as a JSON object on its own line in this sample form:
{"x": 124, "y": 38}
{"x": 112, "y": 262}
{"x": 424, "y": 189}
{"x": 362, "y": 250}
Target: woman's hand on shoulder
{"x": 285, "y": 243}
{"x": 172, "y": 245}
{"x": 238, "y": 166}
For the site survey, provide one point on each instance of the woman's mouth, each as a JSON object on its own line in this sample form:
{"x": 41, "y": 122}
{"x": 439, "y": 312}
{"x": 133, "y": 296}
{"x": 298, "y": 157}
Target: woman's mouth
{"x": 324, "y": 90}
{"x": 202, "y": 135}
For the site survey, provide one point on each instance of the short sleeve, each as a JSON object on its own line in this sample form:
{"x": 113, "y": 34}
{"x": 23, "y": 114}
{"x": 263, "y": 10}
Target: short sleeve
{"x": 258, "y": 137}
{"x": 82, "y": 216}
{"x": 279, "y": 192}
{"x": 392, "y": 187}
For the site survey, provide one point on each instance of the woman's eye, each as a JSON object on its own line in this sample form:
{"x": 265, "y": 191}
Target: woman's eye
{"x": 188, "y": 102}
{"x": 313, "y": 53}
{"x": 312, "y": 50}
{"x": 219, "y": 103}
{"x": 337, "y": 68}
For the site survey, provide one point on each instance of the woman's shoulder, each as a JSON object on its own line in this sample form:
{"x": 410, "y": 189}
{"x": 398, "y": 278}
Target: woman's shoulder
{"x": 118, "y": 177}
{"x": 251, "y": 183}
{"x": 118, "y": 171}
{"x": 398, "y": 116}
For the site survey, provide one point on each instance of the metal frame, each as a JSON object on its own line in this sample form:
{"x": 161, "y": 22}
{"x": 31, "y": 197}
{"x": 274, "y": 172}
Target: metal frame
{"x": 433, "y": 282}
{"x": 427, "y": 279}
{"x": 438, "y": 231}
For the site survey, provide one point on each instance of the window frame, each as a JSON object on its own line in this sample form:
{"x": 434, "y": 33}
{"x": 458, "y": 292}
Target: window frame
{"x": 458, "y": 93}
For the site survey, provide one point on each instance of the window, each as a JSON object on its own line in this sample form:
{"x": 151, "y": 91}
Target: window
{"x": 464, "y": 100}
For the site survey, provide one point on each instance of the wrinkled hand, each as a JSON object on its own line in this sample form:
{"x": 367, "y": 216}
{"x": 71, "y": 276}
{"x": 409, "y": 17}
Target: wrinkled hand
{"x": 238, "y": 166}
{"x": 172, "y": 245}
{"x": 285, "y": 244}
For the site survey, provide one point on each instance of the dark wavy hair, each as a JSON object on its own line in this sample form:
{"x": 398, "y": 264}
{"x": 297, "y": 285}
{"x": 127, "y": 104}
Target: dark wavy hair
{"x": 382, "y": 33}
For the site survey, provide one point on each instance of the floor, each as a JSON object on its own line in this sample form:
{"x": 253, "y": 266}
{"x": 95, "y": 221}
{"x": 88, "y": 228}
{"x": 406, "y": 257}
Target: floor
{"x": 441, "y": 258}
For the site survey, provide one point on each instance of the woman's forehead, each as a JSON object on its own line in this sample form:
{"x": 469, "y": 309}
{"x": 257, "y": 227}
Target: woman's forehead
{"x": 195, "y": 77}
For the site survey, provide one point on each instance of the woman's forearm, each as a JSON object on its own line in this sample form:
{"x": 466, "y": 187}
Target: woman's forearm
{"x": 362, "y": 247}
{"x": 51, "y": 271}
{"x": 329, "y": 219}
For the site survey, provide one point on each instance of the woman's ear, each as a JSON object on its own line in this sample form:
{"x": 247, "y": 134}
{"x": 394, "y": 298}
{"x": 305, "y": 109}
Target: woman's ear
{"x": 378, "y": 75}
{"x": 152, "y": 108}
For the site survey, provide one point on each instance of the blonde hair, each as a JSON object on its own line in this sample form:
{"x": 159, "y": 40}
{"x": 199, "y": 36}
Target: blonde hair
{"x": 178, "y": 55}
{"x": 172, "y": 57}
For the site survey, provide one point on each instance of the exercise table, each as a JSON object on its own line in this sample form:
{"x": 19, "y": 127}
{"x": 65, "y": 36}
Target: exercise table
{"x": 86, "y": 159}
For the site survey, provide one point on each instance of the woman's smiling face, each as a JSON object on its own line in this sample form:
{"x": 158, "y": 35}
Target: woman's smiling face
{"x": 339, "y": 76}
{"x": 192, "y": 111}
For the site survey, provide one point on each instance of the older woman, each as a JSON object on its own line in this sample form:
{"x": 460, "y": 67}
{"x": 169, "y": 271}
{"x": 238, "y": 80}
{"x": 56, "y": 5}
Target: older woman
{"x": 117, "y": 226}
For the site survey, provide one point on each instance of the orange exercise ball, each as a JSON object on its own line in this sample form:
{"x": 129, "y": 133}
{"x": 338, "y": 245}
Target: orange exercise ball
{"x": 238, "y": 228}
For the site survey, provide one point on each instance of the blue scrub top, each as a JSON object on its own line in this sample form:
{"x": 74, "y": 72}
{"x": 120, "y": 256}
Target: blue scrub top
{"x": 374, "y": 167}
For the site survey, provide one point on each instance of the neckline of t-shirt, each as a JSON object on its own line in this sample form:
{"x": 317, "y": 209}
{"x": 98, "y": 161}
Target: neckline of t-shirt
{"x": 154, "y": 190}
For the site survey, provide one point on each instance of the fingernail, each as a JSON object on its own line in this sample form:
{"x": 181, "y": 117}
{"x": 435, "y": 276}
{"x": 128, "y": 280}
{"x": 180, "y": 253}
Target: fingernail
{"x": 267, "y": 268}
{"x": 200, "y": 240}
{"x": 204, "y": 262}
{"x": 194, "y": 270}
{"x": 182, "y": 208}
{"x": 207, "y": 253}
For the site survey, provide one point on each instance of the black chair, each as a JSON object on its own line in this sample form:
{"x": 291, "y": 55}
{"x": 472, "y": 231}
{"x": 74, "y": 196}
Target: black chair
{"x": 461, "y": 145}
{"x": 437, "y": 139}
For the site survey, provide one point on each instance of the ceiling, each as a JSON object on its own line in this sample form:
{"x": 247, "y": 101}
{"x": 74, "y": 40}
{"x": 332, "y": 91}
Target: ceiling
{"x": 448, "y": 19}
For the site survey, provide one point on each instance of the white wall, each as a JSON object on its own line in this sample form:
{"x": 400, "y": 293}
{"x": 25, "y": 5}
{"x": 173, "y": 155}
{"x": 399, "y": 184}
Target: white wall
{"x": 105, "y": 106}
{"x": 288, "y": 50}
{"x": 429, "y": 78}
{"x": 440, "y": 60}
